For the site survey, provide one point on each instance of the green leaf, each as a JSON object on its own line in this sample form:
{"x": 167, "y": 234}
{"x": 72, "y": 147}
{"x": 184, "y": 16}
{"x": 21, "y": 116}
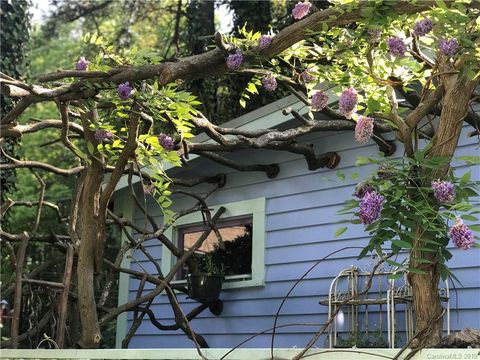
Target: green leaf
{"x": 362, "y": 160}
{"x": 441, "y": 4}
{"x": 416, "y": 271}
{"x": 469, "y": 217}
{"x": 349, "y": 205}
{"x": 402, "y": 244}
{"x": 395, "y": 276}
{"x": 252, "y": 88}
{"x": 340, "y": 231}
{"x": 465, "y": 178}
{"x": 427, "y": 249}
{"x": 90, "y": 147}
{"x": 421, "y": 261}
{"x": 364, "y": 252}
{"x": 470, "y": 160}
{"x": 373, "y": 105}
{"x": 393, "y": 263}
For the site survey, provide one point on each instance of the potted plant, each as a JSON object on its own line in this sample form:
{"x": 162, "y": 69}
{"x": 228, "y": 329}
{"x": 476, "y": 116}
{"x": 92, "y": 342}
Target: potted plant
{"x": 361, "y": 340}
{"x": 205, "y": 284}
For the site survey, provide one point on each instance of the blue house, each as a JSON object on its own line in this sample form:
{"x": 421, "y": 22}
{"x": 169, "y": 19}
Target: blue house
{"x": 291, "y": 220}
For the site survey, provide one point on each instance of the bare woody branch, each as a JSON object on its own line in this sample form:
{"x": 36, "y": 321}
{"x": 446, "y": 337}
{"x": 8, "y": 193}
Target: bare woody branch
{"x": 16, "y": 130}
{"x": 13, "y": 203}
{"x": 134, "y": 303}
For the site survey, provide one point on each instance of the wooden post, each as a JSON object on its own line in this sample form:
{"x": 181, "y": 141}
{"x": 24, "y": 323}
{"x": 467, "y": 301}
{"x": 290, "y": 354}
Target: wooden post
{"x": 17, "y": 303}
{"x": 63, "y": 302}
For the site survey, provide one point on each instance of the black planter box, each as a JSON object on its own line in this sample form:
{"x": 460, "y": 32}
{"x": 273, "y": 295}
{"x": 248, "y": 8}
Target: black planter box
{"x": 204, "y": 288}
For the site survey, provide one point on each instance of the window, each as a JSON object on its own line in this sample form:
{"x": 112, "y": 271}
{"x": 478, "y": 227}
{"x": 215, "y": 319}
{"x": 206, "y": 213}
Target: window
{"x": 234, "y": 260}
{"x": 242, "y": 227}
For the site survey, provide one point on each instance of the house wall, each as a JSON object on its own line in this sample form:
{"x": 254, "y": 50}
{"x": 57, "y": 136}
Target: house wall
{"x": 301, "y": 220}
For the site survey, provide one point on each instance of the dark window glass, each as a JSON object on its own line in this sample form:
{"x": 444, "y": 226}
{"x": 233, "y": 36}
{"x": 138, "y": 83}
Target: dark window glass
{"x": 234, "y": 261}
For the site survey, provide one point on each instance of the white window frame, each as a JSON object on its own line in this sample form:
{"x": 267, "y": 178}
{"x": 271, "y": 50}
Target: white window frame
{"x": 254, "y": 208}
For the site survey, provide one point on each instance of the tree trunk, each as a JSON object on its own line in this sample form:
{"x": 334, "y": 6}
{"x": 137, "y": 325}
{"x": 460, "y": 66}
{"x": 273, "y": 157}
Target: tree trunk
{"x": 92, "y": 227}
{"x": 427, "y": 304}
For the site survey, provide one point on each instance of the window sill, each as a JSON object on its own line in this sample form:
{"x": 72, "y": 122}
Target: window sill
{"x": 237, "y": 284}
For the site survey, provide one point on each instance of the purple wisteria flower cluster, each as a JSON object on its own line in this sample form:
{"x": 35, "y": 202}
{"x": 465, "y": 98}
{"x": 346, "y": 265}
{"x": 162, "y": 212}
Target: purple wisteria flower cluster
{"x": 396, "y": 46}
{"x": 301, "y": 10}
{"x": 423, "y": 27}
{"x": 148, "y": 189}
{"x": 371, "y": 206}
{"x": 306, "y": 76}
{"x": 269, "y": 83}
{"x": 364, "y": 129}
{"x": 264, "y": 41}
{"x": 234, "y": 60}
{"x": 461, "y": 235}
{"x": 448, "y": 47}
{"x": 444, "y": 191}
{"x": 82, "y": 64}
{"x": 102, "y": 135}
{"x": 347, "y": 103}
{"x": 362, "y": 188}
{"x": 319, "y": 100}
{"x": 165, "y": 141}
{"x": 124, "y": 90}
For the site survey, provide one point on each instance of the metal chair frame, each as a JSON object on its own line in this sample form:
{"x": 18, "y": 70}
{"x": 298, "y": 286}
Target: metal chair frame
{"x": 396, "y": 293}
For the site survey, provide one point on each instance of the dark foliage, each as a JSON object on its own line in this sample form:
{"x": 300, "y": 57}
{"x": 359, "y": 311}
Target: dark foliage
{"x": 13, "y": 39}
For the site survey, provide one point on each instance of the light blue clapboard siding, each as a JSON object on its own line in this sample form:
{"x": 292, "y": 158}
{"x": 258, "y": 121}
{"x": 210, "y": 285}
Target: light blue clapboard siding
{"x": 301, "y": 220}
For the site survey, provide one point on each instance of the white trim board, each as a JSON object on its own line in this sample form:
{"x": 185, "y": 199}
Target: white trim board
{"x": 238, "y": 354}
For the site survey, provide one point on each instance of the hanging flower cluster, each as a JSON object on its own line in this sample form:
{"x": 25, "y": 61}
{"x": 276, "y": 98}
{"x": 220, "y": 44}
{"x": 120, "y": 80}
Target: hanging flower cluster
{"x": 423, "y": 27}
{"x": 148, "y": 189}
{"x": 461, "y": 235}
{"x": 264, "y": 41}
{"x": 364, "y": 129}
{"x": 124, "y": 90}
{"x": 319, "y": 100}
{"x": 269, "y": 82}
{"x": 347, "y": 103}
{"x": 301, "y": 10}
{"x": 370, "y": 207}
{"x": 234, "y": 60}
{"x": 306, "y": 76}
{"x": 102, "y": 135}
{"x": 448, "y": 47}
{"x": 396, "y": 46}
{"x": 165, "y": 141}
{"x": 444, "y": 191}
{"x": 362, "y": 188}
{"x": 82, "y": 64}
